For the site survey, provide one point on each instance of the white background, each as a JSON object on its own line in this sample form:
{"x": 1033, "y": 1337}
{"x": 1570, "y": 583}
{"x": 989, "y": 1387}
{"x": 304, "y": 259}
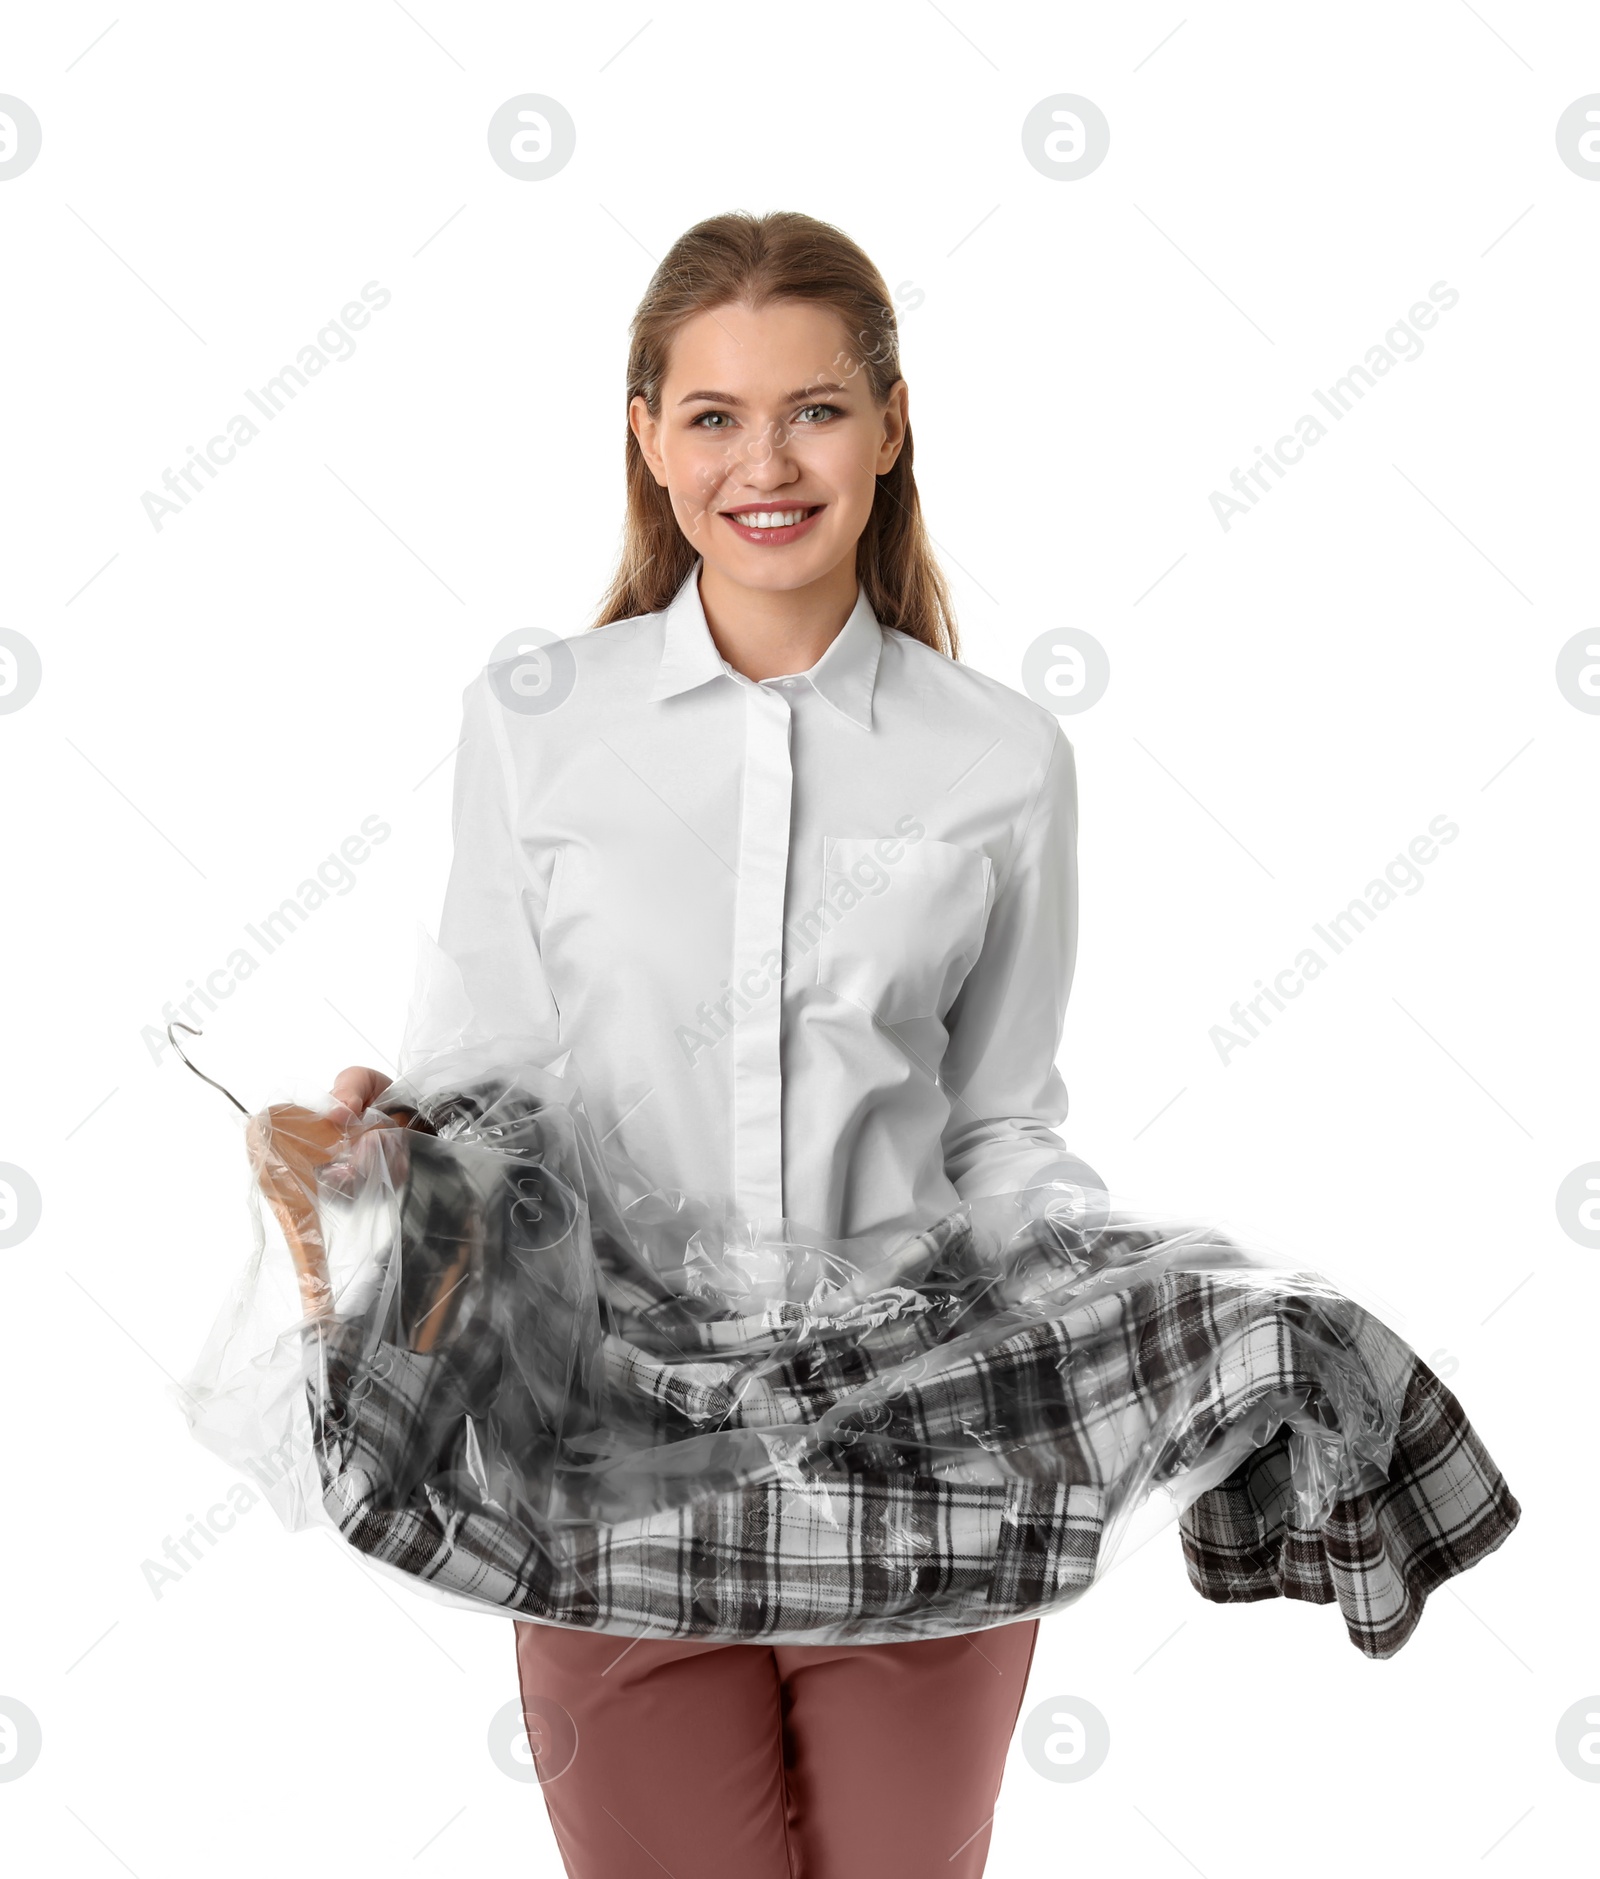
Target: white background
{"x": 1291, "y": 701}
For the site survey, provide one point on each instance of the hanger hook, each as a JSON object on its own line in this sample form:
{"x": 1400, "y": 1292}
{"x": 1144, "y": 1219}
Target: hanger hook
{"x": 178, "y": 1025}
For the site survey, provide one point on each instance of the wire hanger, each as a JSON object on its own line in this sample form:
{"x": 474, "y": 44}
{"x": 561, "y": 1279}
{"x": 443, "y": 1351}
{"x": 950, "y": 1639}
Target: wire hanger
{"x": 178, "y": 1025}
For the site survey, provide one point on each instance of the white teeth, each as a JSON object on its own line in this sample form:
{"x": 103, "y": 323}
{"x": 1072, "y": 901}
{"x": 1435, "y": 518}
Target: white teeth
{"x": 771, "y": 518}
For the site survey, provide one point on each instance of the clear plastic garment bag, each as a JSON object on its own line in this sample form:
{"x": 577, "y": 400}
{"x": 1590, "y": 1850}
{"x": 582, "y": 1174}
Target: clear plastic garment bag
{"x": 504, "y": 1367}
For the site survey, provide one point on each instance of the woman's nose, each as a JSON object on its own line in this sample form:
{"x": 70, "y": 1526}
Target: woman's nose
{"x": 769, "y": 449}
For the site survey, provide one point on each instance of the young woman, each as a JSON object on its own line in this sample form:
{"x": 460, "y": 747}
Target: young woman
{"x": 798, "y": 892}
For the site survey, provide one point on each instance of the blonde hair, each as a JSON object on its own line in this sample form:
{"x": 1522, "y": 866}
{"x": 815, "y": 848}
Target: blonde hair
{"x": 755, "y": 259}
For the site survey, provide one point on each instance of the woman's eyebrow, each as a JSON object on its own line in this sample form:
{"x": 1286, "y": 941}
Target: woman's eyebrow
{"x": 793, "y": 397}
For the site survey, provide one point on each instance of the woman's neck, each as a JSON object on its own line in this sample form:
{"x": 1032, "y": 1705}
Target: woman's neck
{"x": 767, "y": 633}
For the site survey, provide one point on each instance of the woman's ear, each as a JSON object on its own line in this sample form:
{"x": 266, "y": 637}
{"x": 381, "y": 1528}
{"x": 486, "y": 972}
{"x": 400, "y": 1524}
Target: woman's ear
{"x": 647, "y": 429}
{"x": 896, "y": 419}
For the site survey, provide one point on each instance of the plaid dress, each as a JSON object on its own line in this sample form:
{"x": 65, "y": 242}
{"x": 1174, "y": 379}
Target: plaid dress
{"x": 649, "y": 1420}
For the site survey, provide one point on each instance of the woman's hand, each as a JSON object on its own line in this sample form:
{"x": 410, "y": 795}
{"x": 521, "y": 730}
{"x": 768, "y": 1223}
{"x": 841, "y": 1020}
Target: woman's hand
{"x": 355, "y": 1090}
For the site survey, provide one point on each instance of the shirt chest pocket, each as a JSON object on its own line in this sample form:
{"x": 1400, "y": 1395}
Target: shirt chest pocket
{"x": 901, "y": 934}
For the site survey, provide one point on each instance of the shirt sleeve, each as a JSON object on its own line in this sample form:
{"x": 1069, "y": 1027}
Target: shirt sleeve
{"x": 495, "y": 896}
{"x": 1005, "y": 1026}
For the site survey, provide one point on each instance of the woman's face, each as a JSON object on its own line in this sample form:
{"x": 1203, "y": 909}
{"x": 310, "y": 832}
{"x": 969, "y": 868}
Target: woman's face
{"x": 769, "y": 442}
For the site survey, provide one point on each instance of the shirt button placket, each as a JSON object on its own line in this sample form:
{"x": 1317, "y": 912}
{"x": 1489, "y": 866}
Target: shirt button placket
{"x": 757, "y": 941}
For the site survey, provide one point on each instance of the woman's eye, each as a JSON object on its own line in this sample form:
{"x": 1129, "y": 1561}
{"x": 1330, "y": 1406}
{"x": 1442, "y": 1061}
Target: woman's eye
{"x": 700, "y": 423}
{"x": 809, "y": 412}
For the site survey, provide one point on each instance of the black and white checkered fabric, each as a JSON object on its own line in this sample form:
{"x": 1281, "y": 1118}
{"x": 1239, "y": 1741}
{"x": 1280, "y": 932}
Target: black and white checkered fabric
{"x": 947, "y": 1440}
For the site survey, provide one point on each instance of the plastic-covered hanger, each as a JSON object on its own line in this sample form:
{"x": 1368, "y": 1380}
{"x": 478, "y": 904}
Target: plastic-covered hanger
{"x": 290, "y": 1148}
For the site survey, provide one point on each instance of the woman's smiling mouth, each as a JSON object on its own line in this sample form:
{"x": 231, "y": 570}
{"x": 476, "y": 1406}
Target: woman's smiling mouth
{"x": 773, "y": 526}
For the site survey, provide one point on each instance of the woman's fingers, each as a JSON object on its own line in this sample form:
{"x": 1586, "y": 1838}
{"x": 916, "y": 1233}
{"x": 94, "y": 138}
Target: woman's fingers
{"x": 356, "y": 1090}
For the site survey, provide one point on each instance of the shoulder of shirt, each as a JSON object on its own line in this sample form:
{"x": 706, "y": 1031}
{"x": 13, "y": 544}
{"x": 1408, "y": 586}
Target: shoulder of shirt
{"x": 618, "y": 633}
{"x": 595, "y": 649}
{"x": 975, "y": 694}
{"x": 615, "y": 649}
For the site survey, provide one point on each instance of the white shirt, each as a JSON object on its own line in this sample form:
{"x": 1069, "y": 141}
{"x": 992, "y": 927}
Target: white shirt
{"x": 808, "y": 940}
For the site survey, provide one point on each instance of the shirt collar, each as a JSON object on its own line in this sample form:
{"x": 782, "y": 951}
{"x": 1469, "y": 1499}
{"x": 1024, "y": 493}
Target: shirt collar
{"x": 845, "y": 674}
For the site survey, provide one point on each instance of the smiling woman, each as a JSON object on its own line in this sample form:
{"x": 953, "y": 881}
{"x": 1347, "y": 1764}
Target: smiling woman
{"x": 789, "y": 894}
{"x": 797, "y": 892}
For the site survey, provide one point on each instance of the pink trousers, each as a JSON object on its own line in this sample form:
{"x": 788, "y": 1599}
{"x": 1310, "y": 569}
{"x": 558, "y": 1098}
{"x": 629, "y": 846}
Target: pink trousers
{"x": 755, "y": 1761}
